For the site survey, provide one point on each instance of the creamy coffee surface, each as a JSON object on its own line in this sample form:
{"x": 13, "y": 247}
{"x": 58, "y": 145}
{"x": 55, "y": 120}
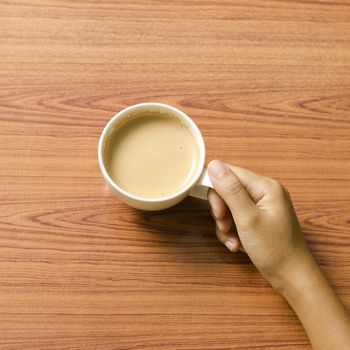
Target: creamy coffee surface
{"x": 152, "y": 156}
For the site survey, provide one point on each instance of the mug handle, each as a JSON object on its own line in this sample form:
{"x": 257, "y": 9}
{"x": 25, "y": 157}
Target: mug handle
{"x": 200, "y": 188}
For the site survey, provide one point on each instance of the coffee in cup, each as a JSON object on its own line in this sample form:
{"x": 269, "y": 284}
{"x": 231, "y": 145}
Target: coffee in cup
{"x": 151, "y": 155}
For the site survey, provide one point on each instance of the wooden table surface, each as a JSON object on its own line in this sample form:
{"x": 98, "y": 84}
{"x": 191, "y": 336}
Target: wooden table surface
{"x": 268, "y": 83}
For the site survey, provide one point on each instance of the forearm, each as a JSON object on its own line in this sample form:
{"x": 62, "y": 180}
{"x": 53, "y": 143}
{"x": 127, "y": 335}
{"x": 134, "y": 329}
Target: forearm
{"x": 323, "y": 315}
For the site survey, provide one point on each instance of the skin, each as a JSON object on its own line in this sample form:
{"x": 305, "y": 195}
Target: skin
{"x": 255, "y": 214}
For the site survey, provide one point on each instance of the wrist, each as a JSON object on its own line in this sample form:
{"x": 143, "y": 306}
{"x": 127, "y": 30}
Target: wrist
{"x": 299, "y": 275}
{"x": 324, "y": 317}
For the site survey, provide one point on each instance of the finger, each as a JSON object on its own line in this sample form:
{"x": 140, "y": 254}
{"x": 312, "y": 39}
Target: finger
{"x": 225, "y": 224}
{"x": 218, "y": 206}
{"x": 256, "y": 184}
{"x": 230, "y": 240}
{"x": 231, "y": 190}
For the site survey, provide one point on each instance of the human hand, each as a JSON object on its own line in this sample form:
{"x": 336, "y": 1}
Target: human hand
{"x": 254, "y": 213}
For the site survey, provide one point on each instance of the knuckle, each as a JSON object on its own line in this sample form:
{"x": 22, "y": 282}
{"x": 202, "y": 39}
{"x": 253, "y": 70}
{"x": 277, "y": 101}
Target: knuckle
{"x": 231, "y": 186}
{"x": 250, "y": 221}
{"x": 279, "y": 190}
{"x": 286, "y": 192}
{"x": 276, "y": 187}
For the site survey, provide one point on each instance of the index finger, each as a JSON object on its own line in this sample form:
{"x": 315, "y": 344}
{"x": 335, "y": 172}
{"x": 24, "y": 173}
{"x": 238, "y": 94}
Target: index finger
{"x": 256, "y": 185}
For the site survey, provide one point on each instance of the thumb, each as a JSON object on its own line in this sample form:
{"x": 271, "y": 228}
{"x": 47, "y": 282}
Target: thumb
{"x": 231, "y": 190}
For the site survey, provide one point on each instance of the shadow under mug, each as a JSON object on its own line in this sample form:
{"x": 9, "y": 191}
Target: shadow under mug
{"x": 200, "y": 182}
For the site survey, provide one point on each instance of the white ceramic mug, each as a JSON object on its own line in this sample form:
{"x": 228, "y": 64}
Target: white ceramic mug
{"x": 197, "y": 187}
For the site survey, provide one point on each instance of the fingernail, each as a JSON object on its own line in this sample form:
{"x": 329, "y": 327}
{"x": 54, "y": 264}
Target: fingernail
{"x": 230, "y": 245}
{"x": 217, "y": 169}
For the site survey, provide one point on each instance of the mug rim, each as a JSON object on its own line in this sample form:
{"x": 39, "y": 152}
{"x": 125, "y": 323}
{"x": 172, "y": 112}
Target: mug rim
{"x": 196, "y": 134}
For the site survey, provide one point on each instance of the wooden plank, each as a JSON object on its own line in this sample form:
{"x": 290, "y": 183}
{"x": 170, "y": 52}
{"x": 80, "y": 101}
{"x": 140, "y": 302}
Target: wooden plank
{"x": 268, "y": 84}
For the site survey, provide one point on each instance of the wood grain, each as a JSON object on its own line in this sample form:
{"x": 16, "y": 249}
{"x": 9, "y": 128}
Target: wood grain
{"x": 268, "y": 83}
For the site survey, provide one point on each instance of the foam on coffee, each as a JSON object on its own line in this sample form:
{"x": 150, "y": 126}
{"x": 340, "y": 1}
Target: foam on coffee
{"x": 151, "y": 155}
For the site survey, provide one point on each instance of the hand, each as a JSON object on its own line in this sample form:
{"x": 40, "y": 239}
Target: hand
{"x": 255, "y": 214}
